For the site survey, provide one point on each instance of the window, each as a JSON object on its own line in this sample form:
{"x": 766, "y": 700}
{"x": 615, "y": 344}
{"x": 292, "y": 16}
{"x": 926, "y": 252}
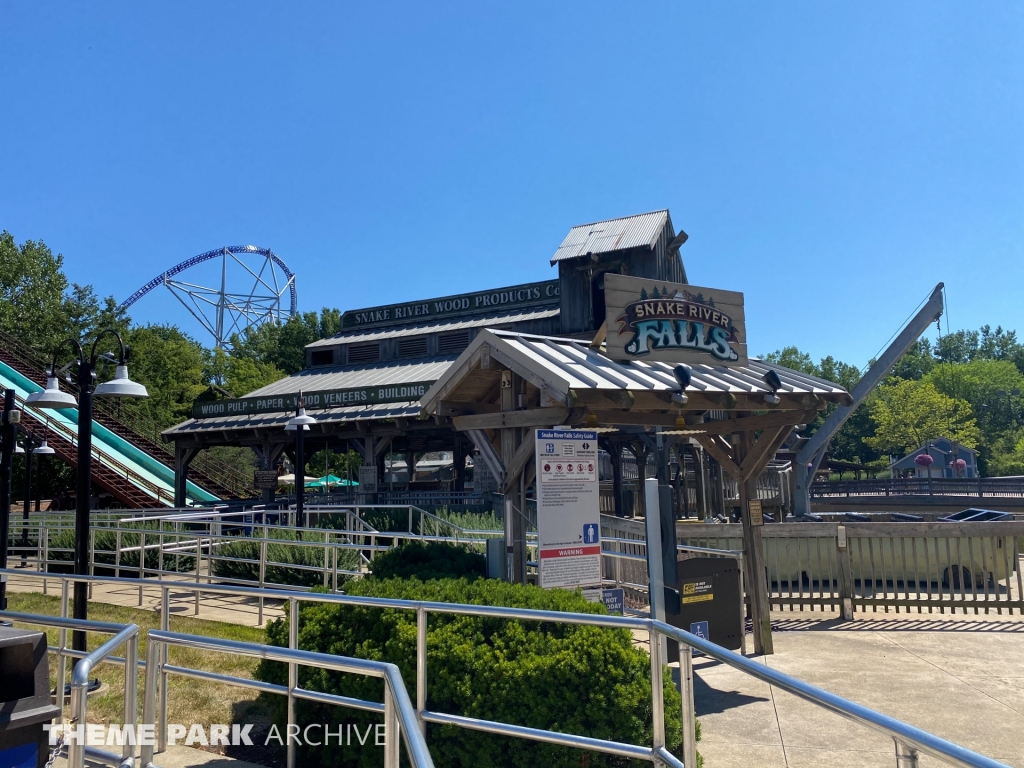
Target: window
{"x": 414, "y": 347}
{"x": 364, "y": 353}
{"x": 452, "y": 343}
{"x": 321, "y": 357}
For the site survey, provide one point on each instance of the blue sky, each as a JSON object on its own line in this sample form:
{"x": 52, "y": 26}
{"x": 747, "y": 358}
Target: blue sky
{"x": 833, "y": 161}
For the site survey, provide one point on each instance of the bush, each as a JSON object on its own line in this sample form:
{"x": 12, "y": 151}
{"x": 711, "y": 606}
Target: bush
{"x": 563, "y": 677}
{"x": 106, "y": 547}
{"x": 285, "y": 554}
{"x": 428, "y": 560}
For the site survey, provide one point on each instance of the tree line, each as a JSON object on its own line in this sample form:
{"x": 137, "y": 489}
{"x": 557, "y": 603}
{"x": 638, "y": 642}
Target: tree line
{"x": 966, "y": 386}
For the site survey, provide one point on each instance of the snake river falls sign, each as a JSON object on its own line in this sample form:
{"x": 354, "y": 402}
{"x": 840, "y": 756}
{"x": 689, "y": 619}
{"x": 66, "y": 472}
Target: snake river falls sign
{"x": 328, "y": 398}
{"x": 673, "y": 323}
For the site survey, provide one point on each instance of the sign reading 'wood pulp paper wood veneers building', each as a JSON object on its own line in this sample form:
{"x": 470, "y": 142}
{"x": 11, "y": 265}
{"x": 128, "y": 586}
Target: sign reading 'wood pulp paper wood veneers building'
{"x": 673, "y": 323}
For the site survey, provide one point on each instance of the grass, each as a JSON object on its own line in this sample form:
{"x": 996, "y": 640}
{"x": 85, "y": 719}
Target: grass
{"x": 188, "y": 700}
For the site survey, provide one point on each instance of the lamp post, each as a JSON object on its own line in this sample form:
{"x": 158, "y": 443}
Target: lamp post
{"x": 8, "y": 433}
{"x": 53, "y": 397}
{"x": 300, "y": 424}
{"x": 33, "y": 447}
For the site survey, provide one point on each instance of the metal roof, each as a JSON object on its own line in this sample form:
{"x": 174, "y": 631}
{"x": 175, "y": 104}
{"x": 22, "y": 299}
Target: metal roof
{"x": 278, "y": 420}
{"x": 352, "y": 376}
{"x": 612, "y": 235}
{"x": 572, "y": 364}
{"x": 481, "y": 321}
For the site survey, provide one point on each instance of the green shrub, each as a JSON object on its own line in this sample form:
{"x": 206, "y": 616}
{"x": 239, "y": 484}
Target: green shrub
{"x": 562, "y": 677}
{"x": 106, "y": 547}
{"x": 428, "y": 560}
{"x": 287, "y": 555}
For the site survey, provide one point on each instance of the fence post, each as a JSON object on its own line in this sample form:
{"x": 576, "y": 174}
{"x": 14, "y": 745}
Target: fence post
{"x": 657, "y": 690}
{"x": 688, "y": 712}
{"x": 391, "y": 729}
{"x": 421, "y": 667}
{"x": 293, "y": 675}
{"x": 906, "y": 756}
{"x": 845, "y": 573}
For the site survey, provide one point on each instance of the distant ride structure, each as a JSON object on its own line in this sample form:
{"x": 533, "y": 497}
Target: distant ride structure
{"x": 253, "y": 284}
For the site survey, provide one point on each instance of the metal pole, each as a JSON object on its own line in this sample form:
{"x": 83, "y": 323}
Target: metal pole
{"x": 689, "y": 714}
{"x": 391, "y": 730}
{"x": 906, "y": 756}
{"x": 27, "y": 503}
{"x": 83, "y": 494}
{"x": 657, "y": 691}
{"x": 421, "y": 667}
{"x": 7, "y": 432}
{"x": 293, "y": 676}
{"x": 300, "y": 471}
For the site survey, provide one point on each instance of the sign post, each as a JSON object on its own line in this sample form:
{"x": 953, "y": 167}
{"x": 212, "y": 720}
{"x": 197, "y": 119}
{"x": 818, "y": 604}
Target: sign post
{"x": 568, "y": 508}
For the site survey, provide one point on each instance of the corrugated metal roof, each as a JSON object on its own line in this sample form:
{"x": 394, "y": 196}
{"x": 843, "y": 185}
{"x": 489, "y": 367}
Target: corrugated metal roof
{"x": 351, "y": 376}
{"x": 575, "y": 365}
{"x": 612, "y": 235}
{"x": 481, "y": 321}
{"x": 278, "y": 420}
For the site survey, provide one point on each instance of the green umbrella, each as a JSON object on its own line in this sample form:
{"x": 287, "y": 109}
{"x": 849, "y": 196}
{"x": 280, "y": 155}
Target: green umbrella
{"x": 328, "y": 481}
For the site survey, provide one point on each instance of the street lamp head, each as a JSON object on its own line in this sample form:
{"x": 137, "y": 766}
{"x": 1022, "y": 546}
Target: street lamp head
{"x": 51, "y": 396}
{"x": 300, "y": 419}
{"x": 121, "y": 385}
{"x": 43, "y": 450}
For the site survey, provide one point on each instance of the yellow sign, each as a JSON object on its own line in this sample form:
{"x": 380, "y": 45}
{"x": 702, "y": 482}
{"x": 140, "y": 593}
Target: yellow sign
{"x": 698, "y": 592}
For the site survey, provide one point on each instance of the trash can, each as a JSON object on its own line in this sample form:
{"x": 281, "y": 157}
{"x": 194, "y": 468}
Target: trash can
{"x": 25, "y": 705}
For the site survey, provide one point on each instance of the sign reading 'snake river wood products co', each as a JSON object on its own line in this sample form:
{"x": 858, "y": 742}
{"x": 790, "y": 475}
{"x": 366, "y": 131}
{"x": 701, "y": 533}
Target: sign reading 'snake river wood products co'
{"x": 328, "y": 398}
{"x": 673, "y": 323}
{"x": 447, "y": 307}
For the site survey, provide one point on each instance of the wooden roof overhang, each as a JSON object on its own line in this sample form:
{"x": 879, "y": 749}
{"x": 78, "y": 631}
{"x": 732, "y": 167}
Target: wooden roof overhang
{"x": 568, "y": 382}
{"x": 352, "y": 423}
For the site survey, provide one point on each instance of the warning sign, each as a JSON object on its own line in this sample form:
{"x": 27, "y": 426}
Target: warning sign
{"x": 698, "y": 591}
{"x": 568, "y": 508}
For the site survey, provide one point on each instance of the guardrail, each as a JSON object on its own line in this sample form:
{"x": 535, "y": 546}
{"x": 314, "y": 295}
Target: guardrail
{"x": 982, "y": 487}
{"x": 126, "y": 635}
{"x": 910, "y": 742}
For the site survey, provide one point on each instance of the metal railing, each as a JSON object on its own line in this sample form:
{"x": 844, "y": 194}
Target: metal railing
{"x": 981, "y": 487}
{"x": 910, "y": 742}
{"x": 399, "y": 715}
{"x": 126, "y": 635}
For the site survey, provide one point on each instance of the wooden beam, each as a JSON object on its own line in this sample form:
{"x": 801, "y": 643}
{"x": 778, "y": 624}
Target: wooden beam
{"x": 600, "y": 336}
{"x": 719, "y": 454}
{"x": 539, "y": 417}
{"x": 606, "y": 398}
{"x": 762, "y": 451}
{"x": 457, "y": 408}
{"x": 519, "y": 458}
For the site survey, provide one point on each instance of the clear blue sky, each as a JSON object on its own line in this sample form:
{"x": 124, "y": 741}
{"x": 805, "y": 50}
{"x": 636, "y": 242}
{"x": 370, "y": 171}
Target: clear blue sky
{"x": 833, "y": 161}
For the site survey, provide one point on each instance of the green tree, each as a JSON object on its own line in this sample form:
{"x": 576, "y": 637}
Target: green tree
{"x": 170, "y": 364}
{"x": 284, "y": 346}
{"x": 909, "y": 413}
{"x": 38, "y": 306}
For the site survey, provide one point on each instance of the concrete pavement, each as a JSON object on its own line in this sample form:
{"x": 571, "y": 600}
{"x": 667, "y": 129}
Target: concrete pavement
{"x": 959, "y": 677}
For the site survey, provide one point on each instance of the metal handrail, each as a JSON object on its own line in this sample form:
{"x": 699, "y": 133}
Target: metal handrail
{"x": 909, "y": 741}
{"x": 399, "y": 715}
{"x": 123, "y": 635}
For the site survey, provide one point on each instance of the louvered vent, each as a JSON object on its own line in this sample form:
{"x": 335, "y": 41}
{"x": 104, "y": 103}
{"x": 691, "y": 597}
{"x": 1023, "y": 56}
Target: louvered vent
{"x": 452, "y": 343}
{"x": 364, "y": 353}
{"x": 414, "y": 347}
{"x": 322, "y": 357}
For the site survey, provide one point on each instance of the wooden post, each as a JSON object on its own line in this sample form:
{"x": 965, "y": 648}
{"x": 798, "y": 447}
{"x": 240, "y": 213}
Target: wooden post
{"x": 699, "y": 481}
{"x": 510, "y": 440}
{"x": 756, "y": 575}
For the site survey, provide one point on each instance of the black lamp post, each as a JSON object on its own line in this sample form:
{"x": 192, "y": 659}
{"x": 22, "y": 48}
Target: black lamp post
{"x": 300, "y": 424}
{"x": 8, "y": 433}
{"x": 33, "y": 447}
{"x": 53, "y": 397}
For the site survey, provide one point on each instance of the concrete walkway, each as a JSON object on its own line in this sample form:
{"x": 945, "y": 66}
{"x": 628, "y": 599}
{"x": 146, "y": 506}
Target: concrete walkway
{"x": 234, "y": 609}
{"x": 959, "y": 677}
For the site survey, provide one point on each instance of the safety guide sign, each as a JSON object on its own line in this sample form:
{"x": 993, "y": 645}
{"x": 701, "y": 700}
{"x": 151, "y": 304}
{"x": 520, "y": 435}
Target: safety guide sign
{"x": 568, "y": 508}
